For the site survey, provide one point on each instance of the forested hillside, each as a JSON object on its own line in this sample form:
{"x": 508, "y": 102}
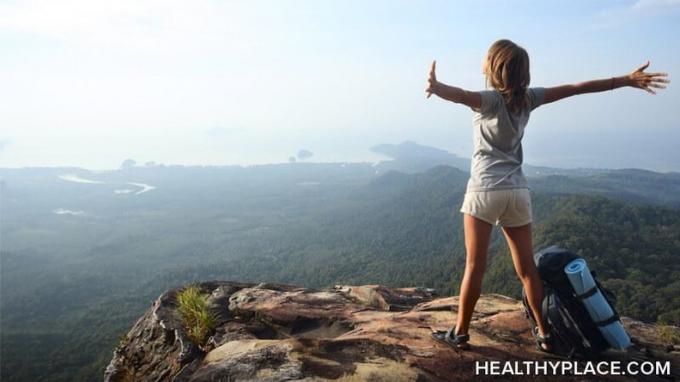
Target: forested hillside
{"x": 634, "y": 249}
{"x": 81, "y": 261}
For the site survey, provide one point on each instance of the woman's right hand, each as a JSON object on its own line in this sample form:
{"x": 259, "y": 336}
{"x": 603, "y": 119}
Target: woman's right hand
{"x": 645, "y": 81}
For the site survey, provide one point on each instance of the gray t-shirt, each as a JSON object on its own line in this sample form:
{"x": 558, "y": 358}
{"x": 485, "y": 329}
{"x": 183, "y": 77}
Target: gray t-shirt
{"x": 497, "y": 158}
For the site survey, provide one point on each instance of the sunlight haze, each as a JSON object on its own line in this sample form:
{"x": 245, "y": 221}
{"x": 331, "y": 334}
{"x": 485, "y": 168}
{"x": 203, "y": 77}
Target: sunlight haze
{"x": 91, "y": 83}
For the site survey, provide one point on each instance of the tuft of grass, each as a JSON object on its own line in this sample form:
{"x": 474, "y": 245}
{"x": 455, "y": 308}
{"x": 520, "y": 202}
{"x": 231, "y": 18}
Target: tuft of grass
{"x": 668, "y": 334}
{"x": 197, "y": 318}
{"x": 122, "y": 341}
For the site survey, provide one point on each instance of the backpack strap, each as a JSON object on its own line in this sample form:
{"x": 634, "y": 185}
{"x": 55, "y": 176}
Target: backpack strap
{"x": 545, "y": 312}
{"x": 590, "y": 291}
{"x": 605, "y": 322}
{"x": 587, "y": 293}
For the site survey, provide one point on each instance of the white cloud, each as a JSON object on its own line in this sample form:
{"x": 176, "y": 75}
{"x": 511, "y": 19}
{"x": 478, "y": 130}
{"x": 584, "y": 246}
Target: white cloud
{"x": 618, "y": 15}
{"x": 136, "y": 23}
{"x": 63, "y": 211}
{"x": 649, "y": 4}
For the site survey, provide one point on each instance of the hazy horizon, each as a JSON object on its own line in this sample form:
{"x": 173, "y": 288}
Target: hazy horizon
{"x": 89, "y": 84}
{"x": 370, "y": 158}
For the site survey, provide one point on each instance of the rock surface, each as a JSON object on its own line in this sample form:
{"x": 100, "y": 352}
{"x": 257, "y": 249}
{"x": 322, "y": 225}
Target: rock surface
{"x": 276, "y": 332}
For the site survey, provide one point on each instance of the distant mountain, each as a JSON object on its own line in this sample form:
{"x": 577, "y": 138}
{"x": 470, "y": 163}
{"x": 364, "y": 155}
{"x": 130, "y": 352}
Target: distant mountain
{"x": 411, "y": 157}
{"x": 630, "y": 185}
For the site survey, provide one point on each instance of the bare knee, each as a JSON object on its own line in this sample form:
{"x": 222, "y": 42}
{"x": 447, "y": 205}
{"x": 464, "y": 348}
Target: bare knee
{"x": 527, "y": 274}
{"x": 475, "y": 268}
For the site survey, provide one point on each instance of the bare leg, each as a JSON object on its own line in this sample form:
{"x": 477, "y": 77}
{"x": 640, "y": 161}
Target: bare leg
{"x": 521, "y": 247}
{"x": 477, "y": 234}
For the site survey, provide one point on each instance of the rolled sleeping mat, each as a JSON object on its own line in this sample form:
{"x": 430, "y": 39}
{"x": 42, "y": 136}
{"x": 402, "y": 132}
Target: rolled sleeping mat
{"x": 597, "y": 306}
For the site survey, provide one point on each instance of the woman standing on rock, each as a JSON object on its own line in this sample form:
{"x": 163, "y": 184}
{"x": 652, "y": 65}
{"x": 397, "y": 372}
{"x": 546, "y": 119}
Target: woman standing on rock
{"x": 497, "y": 191}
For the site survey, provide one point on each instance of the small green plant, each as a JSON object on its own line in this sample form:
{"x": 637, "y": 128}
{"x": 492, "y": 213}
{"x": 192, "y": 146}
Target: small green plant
{"x": 198, "y": 320}
{"x": 122, "y": 341}
{"x": 668, "y": 334}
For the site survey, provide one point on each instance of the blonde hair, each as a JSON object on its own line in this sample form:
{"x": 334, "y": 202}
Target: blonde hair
{"x": 507, "y": 70}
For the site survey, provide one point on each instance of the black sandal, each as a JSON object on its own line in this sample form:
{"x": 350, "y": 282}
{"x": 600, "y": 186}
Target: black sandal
{"x": 450, "y": 338}
{"x": 543, "y": 340}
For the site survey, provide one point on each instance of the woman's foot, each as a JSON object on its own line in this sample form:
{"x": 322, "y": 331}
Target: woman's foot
{"x": 449, "y": 337}
{"x": 543, "y": 341}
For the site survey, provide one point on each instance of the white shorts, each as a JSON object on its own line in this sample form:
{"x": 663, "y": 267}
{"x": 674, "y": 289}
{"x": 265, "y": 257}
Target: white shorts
{"x": 505, "y": 207}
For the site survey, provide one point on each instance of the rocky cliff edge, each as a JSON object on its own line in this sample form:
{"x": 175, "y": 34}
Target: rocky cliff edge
{"x": 277, "y": 332}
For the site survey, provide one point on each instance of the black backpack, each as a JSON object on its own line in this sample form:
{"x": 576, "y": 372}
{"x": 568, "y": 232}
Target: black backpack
{"x": 575, "y": 334}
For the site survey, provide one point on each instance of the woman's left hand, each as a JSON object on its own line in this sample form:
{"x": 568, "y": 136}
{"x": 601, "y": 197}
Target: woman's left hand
{"x": 645, "y": 81}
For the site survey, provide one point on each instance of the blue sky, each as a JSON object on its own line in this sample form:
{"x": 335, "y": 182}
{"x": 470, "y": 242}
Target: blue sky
{"x": 90, "y": 83}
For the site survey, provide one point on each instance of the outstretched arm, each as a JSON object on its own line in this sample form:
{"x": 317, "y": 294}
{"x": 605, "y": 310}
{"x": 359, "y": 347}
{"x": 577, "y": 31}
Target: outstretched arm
{"x": 451, "y": 93}
{"x": 637, "y": 79}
